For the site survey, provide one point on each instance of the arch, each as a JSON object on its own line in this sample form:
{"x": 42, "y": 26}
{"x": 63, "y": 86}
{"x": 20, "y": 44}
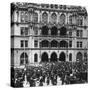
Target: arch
{"x": 62, "y": 18}
{"x": 79, "y": 56}
{"x": 54, "y": 43}
{"x": 35, "y": 57}
{"x": 62, "y": 57}
{"x": 45, "y": 43}
{"x": 45, "y": 30}
{"x": 63, "y": 43}
{"x": 53, "y": 17}
{"x": 45, "y": 17}
{"x": 44, "y": 57}
{"x": 35, "y": 17}
{"x": 70, "y": 57}
{"x": 63, "y": 31}
{"x": 53, "y": 57}
{"x": 54, "y": 30}
{"x": 23, "y": 59}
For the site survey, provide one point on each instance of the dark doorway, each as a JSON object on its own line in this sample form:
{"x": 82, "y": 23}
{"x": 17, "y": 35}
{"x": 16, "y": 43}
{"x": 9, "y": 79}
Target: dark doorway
{"x": 63, "y": 31}
{"x": 53, "y": 57}
{"x": 44, "y": 57}
{"x": 62, "y": 57}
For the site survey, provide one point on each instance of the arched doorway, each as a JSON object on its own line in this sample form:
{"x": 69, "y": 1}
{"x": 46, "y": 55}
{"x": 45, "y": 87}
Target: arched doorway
{"x": 53, "y": 57}
{"x": 63, "y": 31}
{"x": 79, "y": 56}
{"x": 62, "y": 57}
{"x": 45, "y": 30}
{"x": 23, "y": 59}
{"x": 44, "y": 57}
{"x": 54, "y": 31}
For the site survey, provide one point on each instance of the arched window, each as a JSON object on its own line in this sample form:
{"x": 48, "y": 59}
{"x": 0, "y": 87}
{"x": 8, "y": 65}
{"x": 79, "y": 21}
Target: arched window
{"x": 54, "y": 18}
{"x": 54, "y": 43}
{"x": 35, "y": 58}
{"x": 70, "y": 57}
{"x": 26, "y": 16}
{"x": 45, "y": 17}
{"x": 35, "y": 17}
{"x": 54, "y": 30}
{"x": 45, "y": 30}
{"x": 22, "y": 16}
{"x": 63, "y": 31}
{"x": 23, "y": 59}
{"x": 63, "y": 43}
{"x": 45, "y": 43}
{"x": 62, "y": 19}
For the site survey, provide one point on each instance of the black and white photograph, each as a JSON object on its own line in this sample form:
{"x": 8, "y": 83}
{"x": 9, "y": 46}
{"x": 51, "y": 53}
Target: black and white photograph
{"x": 49, "y": 44}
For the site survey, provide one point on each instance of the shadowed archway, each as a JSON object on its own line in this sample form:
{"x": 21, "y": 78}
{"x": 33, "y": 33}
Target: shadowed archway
{"x": 44, "y": 57}
{"x": 62, "y": 57}
{"x": 53, "y": 57}
{"x": 79, "y": 56}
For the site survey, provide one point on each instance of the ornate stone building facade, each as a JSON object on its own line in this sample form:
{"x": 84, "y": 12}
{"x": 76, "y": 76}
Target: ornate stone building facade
{"x": 48, "y": 33}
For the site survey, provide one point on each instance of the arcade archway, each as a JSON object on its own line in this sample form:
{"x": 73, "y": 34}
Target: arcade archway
{"x": 53, "y": 57}
{"x": 44, "y": 57}
{"x": 62, "y": 57}
{"x": 79, "y": 56}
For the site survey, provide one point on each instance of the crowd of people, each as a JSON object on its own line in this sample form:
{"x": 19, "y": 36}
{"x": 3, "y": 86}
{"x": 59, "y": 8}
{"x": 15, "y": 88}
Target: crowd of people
{"x": 48, "y": 74}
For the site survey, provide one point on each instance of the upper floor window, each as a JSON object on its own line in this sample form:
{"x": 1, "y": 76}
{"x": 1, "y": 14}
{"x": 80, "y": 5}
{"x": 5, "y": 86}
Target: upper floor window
{"x": 45, "y": 17}
{"x": 35, "y": 17}
{"x": 79, "y": 33}
{"x": 24, "y": 31}
{"x": 22, "y": 17}
{"x": 24, "y": 43}
{"x": 70, "y": 43}
{"x": 70, "y": 33}
{"x": 26, "y": 17}
{"x": 79, "y": 44}
{"x": 54, "y": 17}
{"x": 70, "y": 19}
{"x": 80, "y": 21}
{"x": 62, "y": 19}
{"x": 35, "y": 43}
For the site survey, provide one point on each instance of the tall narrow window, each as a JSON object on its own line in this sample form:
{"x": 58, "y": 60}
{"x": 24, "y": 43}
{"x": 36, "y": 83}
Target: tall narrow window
{"x": 22, "y": 43}
{"x": 70, "y": 57}
{"x": 35, "y": 43}
{"x": 35, "y": 57}
{"x": 70, "y": 43}
{"x": 81, "y": 44}
{"x": 22, "y": 17}
{"x": 26, "y": 43}
{"x": 26, "y": 31}
{"x": 77, "y": 44}
{"x": 22, "y": 30}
